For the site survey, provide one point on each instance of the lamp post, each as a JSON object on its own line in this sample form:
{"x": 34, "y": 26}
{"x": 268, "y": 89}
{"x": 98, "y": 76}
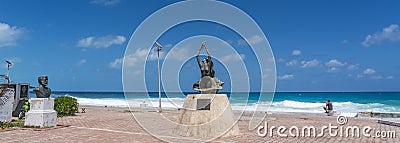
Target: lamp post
{"x": 159, "y": 47}
{"x": 9, "y": 64}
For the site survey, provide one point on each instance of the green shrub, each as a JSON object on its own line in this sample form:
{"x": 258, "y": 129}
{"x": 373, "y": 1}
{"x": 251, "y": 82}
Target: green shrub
{"x": 65, "y": 106}
{"x": 26, "y": 106}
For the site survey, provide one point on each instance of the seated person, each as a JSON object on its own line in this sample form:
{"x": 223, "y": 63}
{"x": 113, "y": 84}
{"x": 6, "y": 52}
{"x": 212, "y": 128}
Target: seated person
{"x": 328, "y": 106}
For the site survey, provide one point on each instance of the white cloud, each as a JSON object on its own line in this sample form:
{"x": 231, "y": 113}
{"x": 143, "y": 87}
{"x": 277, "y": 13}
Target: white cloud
{"x": 138, "y": 72}
{"x": 390, "y": 77}
{"x": 180, "y": 53}
{"x": 353, "y": 67}
{"x": 101, "y": 42}
{"x": 296, "y": 52}
{"x": 9, "y": 34}
{"x": 335, "y": 63}
{"x": 168, "y": 45}
{"x": 116, "y": 63}
{"x": 390, "y": 33}
{"x": 153, "y": 55}
{"x": 256, "y": 39}
{"x": 268, "y": 73}
{"x": 81, "y": 62}
{"x": 344, "y": 42}
{"x": 333, "y": 70}
{"x": 286, "y": 77}
{"x": 241, "y": 42}
{"x": 105, "y": 2}
{"x": 291, "y": 63}
{"x": 130, "y": 60}
{"x": 368, "y": 71}
{"x": 252, "y": 40}
{"x": 233, "y": 58}
{"x": 307, "y": 64}
{"x": 376, "y": 77}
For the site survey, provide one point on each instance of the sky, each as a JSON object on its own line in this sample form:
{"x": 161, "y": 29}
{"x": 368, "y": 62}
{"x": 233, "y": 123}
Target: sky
{"x": 316, "y": 45}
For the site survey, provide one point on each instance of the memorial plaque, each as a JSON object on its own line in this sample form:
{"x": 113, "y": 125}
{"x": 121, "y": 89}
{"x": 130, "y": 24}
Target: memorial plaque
{"x": 203, "y": 104}
{"x": 24, "y": 91}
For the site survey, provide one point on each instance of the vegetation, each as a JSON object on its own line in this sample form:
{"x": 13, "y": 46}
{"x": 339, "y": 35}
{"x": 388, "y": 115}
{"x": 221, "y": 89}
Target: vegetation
{"x": 26, "y": 106}
{"x": 13, "y": 123}
{"x": 65, "y": 106}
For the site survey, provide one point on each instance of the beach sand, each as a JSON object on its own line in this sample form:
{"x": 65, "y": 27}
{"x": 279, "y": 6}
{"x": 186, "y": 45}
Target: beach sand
{"x": 116, "y": 124}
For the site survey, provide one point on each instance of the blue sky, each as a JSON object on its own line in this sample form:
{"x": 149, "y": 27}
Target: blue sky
{"x": 317, "y": 45}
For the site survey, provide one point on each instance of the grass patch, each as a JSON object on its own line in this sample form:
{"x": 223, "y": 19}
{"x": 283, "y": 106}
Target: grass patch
{"x": 13, "y": 123}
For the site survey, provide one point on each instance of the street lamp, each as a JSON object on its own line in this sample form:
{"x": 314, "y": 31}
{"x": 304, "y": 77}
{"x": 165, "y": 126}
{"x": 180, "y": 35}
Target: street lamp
{"x": 9, "y": 64}
{"x": 159, "y": 47}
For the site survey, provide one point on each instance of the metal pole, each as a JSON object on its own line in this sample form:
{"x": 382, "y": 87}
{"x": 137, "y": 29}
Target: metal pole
{"x": 8, "y": 71}
{"x": 159, "y": 47}
{"x": 159, "y": 83}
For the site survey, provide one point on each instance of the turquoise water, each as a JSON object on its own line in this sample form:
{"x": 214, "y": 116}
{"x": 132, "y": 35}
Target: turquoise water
{"x": 344, "y": 102}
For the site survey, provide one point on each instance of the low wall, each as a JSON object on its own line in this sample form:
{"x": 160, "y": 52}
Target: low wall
{"x": 378, "y": 115}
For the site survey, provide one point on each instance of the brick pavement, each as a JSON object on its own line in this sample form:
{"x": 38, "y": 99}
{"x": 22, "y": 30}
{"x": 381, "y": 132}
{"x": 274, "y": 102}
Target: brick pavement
{"x": 110, "y": 124}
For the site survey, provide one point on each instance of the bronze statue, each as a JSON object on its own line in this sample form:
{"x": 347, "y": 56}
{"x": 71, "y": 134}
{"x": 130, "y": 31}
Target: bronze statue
{"x": 42, "y": 91}
{"x": 208, "y": 84}
{"x": 207, "y": 67}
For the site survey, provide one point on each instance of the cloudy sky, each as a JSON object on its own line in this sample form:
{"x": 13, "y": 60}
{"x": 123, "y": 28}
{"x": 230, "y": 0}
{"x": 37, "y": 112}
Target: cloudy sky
{"x": 317, "y": 46}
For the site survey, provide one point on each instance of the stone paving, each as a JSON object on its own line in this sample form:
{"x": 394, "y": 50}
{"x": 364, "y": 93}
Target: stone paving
{"x": 110, "y": 124}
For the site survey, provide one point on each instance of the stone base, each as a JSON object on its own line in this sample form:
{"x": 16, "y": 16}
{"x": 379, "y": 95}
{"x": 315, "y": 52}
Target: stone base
{"x": 6, "y": 105}
{"x": 206, "y": 116}
{"x": 41, "y": 118}
{"x": 41, "y": 113}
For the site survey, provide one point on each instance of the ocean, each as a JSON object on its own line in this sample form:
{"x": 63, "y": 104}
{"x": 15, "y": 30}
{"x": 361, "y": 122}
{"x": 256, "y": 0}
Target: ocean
{"x": 308, "y": 102}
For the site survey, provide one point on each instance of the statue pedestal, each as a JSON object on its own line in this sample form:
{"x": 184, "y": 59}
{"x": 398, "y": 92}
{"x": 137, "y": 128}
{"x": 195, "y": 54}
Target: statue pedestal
{"x": 41, "y": 113}
{"x": 206, "y": 116}
{"x": 6, "y": 105}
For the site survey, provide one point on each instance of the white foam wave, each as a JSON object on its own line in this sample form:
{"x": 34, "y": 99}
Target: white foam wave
{"x": 345, "y": 108}
{"x": 281, "y": 106}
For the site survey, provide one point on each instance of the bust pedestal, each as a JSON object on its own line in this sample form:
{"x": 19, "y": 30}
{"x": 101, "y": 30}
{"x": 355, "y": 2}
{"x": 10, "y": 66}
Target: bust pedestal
{"x": 206, "y": 116}
{"x": 41, "y": 113}
{"x": 6, "y": 105}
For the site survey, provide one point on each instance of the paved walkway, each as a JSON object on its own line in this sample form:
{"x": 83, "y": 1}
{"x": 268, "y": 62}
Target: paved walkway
{"x": 106, "y": 124}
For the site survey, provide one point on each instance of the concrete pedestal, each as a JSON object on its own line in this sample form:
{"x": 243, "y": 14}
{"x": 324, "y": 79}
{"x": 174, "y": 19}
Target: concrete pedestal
{"x": 6, "y": 105}
{"x": 206, "y": 116}
{"x": 41, "y": 113}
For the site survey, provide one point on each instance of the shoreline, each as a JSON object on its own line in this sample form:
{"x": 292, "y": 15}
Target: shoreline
{"x": 348, "y": 104}
{"x": 356, "y": 115}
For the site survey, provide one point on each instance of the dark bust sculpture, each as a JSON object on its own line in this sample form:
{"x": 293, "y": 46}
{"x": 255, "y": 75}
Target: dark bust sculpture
{"x": 42, "y": 91}
{"x": 208, "y": 84}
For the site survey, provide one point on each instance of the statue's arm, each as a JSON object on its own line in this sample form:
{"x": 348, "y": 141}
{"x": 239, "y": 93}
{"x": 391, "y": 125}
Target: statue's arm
{"x": 208, "y": 53}
{"x": 198, "y": 56}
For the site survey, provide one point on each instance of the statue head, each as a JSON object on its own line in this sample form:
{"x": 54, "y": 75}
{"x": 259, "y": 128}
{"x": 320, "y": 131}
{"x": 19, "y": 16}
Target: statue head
{"x": 43, "y": 80}
{"x": 205, "y": 60}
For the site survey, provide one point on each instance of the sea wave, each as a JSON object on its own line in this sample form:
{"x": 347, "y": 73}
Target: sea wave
{"x": 279, "y": 106}
{"x": 341, "y": 107}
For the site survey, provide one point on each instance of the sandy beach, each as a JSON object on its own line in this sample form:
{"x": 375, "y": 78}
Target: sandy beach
{"x": 116, "y": 124}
